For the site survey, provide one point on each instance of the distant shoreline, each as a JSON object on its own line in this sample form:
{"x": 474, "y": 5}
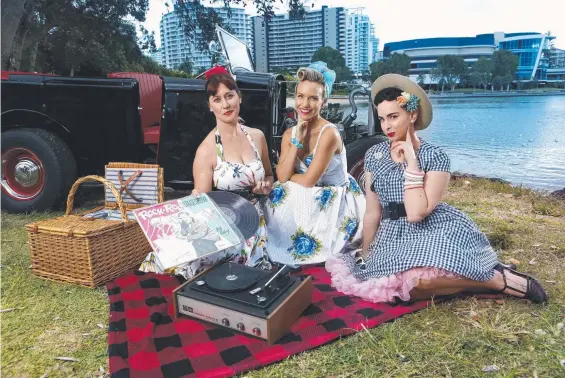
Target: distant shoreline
{"x": 342, "y": 99}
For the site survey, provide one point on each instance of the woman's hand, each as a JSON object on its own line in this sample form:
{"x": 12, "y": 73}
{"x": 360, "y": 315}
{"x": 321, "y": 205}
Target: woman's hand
{"x": 195, "y": 192}
{"x": 262, "y": 188}
{"x": 403, "y": 150}
{"x": 301, "y": 130}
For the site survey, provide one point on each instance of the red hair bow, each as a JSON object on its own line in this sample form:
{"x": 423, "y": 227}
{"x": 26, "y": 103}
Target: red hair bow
{"x": 217, "y": 70}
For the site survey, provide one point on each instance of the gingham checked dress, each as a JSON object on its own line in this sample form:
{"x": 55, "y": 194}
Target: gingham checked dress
{"x": 446, "y": 243}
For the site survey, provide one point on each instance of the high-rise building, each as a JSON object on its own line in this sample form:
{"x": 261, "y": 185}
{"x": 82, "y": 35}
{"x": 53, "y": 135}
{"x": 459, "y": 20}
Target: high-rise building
{"x": 375, "y": 43}
{"x": 176, "y": 48}
{"x": 556, "y": 58}
{"x": 359, "y": 41}
{"x": 157, "y": 56}
{"x": 285, "y": 42}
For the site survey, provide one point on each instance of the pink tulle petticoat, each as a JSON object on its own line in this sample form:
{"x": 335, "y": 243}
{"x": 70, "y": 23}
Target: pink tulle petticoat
{"x": 382, "y": 289}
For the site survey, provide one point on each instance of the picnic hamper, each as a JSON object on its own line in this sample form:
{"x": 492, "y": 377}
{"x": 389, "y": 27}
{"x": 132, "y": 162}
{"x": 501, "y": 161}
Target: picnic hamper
{"x": 90, "y": 250}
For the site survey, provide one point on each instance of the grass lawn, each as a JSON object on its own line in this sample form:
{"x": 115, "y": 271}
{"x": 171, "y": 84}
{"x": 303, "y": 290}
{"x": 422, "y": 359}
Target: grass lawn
{"x": 43, "y": 320}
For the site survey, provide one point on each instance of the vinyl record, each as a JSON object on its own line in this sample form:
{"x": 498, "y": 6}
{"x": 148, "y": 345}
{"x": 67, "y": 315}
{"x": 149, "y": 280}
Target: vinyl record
{"x": 237, "y": 209}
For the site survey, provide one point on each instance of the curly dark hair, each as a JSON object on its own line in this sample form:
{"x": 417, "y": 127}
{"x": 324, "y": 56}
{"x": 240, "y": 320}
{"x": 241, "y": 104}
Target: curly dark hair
{"x": 387, "y": 94}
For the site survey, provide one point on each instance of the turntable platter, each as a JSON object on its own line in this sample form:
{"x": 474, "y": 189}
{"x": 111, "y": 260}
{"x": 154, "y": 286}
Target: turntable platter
{"x": 218, "y": 280}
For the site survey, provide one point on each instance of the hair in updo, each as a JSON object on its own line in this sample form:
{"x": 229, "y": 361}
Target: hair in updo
{"x": 213, "y": 84}
{"x": 309, "y": 74}
{"x": 387, "y": 94}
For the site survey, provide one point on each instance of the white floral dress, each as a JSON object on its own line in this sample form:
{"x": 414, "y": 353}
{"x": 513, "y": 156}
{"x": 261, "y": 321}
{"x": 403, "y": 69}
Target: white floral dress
{"x": 307, "y": 225}
{"x": 232, "y": 176}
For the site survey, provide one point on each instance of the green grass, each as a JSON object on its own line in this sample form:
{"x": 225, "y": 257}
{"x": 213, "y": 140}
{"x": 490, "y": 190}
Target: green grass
{"x": 456, "y": 339}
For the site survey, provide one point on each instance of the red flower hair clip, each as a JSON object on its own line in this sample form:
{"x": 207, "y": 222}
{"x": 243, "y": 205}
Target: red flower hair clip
{"x": 217, "y": 70}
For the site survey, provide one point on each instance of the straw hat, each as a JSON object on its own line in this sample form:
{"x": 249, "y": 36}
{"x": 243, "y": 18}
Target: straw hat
{"x": 425, "y": 113}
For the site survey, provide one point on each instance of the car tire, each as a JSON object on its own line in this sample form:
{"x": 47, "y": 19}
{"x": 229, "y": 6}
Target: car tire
{"x": 38, "y": 169}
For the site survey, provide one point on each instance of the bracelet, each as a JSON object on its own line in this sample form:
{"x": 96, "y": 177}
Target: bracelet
{"x": 414, "y": 173}
{"x": 296, "y": 143}
{"x": 413, "y": 187}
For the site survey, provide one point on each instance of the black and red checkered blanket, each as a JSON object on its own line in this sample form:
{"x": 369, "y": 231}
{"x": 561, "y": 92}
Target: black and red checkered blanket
{"x": 145, "y": 340}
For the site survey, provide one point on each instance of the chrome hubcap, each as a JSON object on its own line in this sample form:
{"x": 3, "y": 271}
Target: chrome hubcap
{"x": 22, "y": 174}
{"x": 27, "y": 173}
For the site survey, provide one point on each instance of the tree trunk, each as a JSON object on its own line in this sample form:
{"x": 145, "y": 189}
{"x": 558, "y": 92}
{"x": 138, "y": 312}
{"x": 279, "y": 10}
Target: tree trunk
{"x": 13, "y": 12}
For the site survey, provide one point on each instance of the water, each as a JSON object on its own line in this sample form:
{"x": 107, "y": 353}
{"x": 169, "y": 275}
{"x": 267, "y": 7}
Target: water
{"x": 518, "y": 139}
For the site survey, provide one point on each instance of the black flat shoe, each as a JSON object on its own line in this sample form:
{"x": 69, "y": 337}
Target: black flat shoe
{"x": 534, "y": 290}
{"x": 505, "y": 266}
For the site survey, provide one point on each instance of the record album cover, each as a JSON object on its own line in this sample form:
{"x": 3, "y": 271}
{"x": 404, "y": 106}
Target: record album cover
{"x": 183, "y": 230}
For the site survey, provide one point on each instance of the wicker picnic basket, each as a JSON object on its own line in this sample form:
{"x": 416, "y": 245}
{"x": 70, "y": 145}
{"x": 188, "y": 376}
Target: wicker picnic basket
{"x": 90, "y": 251}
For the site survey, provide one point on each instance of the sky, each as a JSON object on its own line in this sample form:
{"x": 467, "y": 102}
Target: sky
{"x": 409, "y": 19}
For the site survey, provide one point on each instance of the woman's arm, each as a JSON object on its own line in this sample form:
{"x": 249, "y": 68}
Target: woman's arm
{"x": 420, "y": 202}
{"x": 203, "y": 168}
{"x": 265, "y": 157}
{"x": 330, "y": 142}
{"x": 287, "y": 161}
{"x": 373, "y": 213}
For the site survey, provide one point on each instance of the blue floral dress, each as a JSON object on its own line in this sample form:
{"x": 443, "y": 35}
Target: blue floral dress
{"x": 307, "y": 225}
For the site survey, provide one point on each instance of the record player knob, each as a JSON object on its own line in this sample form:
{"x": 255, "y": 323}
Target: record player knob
{"x": 241, "y": 327}
{"x": 225, "y": 322}
{"x": 257, "y": 331}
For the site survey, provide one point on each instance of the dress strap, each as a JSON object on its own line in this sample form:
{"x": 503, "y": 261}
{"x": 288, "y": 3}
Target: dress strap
{"x": 257, "y": 155}
{"x": 219, "y": 146}
{"x": 320, "y": 135}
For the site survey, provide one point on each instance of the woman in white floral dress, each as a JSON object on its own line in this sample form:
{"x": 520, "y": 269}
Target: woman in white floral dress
{"x": 232, "y": 157}
{"x": 314, "y": 211}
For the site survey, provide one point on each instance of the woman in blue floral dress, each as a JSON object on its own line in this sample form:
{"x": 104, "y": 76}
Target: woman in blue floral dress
{"x": 414, "y": 246}
{"x": 314, "y": 211}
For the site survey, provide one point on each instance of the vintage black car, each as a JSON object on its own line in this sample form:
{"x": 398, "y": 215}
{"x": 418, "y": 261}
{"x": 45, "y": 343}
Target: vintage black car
{"x": 55, "y": 129}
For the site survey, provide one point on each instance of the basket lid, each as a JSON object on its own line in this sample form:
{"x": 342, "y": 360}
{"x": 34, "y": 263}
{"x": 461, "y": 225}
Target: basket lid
{"x": 139, "y": 184}
{"x": 76, "y": 225}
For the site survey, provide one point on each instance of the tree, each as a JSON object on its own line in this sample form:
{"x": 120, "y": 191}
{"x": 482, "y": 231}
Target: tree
{"x": 451, "y": 68}
{"x": 397, "y": 63}
{"x": 65, "y": 36}
{"x": 335, "y": 61}
{"x": 421, "y": 80}
{"x": 504, "y": 63}
{"x": 186, "y": 66}
{"x": 435, "y": 75}
{"x": 481, "y": 71}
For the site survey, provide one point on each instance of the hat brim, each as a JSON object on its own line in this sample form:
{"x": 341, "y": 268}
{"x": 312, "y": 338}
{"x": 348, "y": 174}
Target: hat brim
{"x": 425, "y": 113}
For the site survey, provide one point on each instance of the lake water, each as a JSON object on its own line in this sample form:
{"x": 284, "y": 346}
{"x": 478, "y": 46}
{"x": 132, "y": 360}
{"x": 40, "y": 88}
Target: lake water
{"x": 519, "y": 139}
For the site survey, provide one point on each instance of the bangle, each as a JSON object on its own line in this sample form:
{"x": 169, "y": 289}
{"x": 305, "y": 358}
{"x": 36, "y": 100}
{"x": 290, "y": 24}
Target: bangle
{"x": 414, "y": 173}
{"x": 296, "y": 143}
{"x": 413, "y": 187}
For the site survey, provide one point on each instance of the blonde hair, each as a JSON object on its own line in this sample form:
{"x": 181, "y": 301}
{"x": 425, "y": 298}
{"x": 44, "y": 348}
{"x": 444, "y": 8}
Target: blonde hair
{"x": 309, "y": 74}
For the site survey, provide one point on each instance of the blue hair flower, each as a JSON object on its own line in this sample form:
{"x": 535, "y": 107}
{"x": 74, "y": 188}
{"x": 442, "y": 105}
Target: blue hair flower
{"x": 329, "y": 75}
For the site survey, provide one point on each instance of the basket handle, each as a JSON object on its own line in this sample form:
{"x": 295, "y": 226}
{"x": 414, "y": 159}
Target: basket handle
{"x": 107, "y": 183}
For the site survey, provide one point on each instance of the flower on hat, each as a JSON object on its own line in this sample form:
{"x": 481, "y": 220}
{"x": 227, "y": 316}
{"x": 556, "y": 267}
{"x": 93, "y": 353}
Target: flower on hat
{"x": 408, "y": 101}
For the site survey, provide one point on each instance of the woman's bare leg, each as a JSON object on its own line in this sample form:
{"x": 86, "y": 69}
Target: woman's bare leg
{"x": 449, "y": 286}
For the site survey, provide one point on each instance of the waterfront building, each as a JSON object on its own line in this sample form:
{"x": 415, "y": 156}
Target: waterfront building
{"x": 531, "y": 48}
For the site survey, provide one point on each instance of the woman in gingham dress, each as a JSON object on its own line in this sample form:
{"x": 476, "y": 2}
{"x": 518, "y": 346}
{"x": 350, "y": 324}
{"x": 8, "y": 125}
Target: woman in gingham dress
{"x": 415, "y": 247}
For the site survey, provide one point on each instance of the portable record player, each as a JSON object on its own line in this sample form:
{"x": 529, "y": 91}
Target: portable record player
{"x": 253, "y": 301}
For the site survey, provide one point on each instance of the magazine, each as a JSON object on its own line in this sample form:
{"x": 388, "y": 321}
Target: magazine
{"x": 183, "y": 230}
